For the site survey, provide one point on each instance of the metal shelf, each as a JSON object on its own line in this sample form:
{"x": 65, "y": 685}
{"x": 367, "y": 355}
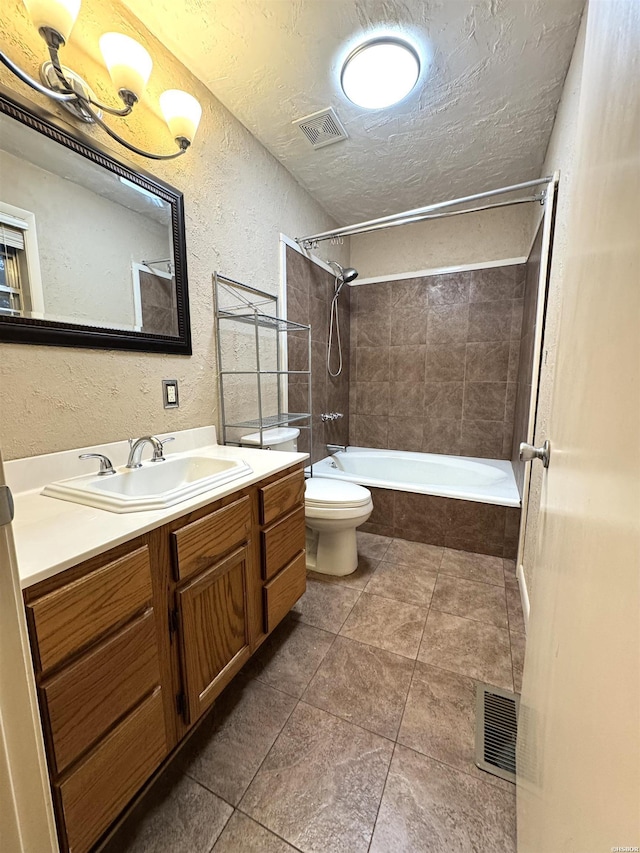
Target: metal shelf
{"x": 263, "y": 321}
{"x": 271, "y": 421}
{"x": 258, "y": 309}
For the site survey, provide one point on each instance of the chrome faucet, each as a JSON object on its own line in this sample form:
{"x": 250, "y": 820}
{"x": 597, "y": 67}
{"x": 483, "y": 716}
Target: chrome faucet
{"x": 137, "y": 447}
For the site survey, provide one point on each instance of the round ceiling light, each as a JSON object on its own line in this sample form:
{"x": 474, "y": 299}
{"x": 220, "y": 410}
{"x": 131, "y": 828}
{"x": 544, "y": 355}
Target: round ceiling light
{"x": 380, "y": 72}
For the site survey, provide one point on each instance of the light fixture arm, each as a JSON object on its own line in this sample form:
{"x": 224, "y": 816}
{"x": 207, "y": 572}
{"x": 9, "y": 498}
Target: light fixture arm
{"x": 182, "y": 142}
{"x": 128, "y": 97}
{"x": 30, "y": 81}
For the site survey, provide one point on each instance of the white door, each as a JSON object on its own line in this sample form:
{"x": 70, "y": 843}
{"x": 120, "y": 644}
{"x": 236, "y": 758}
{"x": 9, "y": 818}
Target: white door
{"x": 26, "y": 814}
{"x": 579, "y": 739}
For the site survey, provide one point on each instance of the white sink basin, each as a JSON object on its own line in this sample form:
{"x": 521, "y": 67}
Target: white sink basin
{"x": 157, "y": 485}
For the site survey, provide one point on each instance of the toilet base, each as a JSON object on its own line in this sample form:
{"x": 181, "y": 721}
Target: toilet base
{"x": 332, "y": 552}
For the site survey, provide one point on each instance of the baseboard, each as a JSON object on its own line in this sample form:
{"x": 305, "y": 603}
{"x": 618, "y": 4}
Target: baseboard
{"x": 524, "y": 596}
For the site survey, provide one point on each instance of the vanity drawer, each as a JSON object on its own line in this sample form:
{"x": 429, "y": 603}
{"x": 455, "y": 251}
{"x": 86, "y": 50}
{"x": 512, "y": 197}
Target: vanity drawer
{"x": 281, "y": 593}
{"x": 87, "y": 698}
{"x": 72, "y": 617}
{"x": 281, "y": 496}
{"x": 97, "y": 791}
{"x": 281, "y": 542}
{"x": 198, "y": 545}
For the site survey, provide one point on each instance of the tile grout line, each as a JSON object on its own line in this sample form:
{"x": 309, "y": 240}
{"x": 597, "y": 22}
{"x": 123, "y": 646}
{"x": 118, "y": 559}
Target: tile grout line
{"x": 395, "y": 746}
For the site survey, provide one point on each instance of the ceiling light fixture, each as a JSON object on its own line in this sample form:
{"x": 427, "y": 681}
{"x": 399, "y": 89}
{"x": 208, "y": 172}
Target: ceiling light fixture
{"x": 129, "y": 67}
{"x": 380, "y": 72}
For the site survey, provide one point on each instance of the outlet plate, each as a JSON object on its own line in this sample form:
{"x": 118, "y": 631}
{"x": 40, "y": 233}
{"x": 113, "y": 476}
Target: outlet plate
{"x": 170, "y": 393}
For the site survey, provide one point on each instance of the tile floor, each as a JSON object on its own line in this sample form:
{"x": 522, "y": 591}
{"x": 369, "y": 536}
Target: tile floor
{"x": 352, "y": 730}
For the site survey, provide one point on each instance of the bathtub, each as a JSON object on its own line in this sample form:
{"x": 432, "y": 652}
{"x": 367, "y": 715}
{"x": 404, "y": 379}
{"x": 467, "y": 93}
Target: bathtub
{"x": 463, "y": 503}
{"x": 484, "y": 480}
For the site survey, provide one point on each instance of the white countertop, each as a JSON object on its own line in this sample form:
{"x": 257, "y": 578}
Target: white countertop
{"x": 52, "y": 535}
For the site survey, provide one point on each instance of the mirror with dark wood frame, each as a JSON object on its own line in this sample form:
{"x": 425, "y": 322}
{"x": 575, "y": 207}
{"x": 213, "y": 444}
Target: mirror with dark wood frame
{"x": 92, "y": 250}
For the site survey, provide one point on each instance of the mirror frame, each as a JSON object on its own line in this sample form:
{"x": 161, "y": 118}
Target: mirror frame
{"x": 23, "y": 330}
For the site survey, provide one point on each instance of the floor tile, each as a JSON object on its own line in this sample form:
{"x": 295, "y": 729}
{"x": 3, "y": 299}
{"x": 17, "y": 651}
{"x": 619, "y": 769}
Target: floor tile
{"x": 226, "y": 752}
{"x": 356, "y": 580}
{"x": 473, "y": 567}
{"x": 412, "y": 584}
{"x": 290, "y": 656}
{"x": 470, "y": 648}
{"x": 325, "y": 605}
{"x": 243, "y": 835}
{"x": 514, "y": 606}
{"x": 177, "y": 816}
{"x": 321, "y": 784}
{"x": 391, "y": 625}
{"x": 518, "y": 643}
{"x": 481, "y": 601}
{"x": 363, "y": 685}
{"x": 428, "y": 806}
{"x": 414, "y": 554}
{"x": 440, "y": 720}
{"x": 509, "y": 568}
{"x": 371, "y": 545}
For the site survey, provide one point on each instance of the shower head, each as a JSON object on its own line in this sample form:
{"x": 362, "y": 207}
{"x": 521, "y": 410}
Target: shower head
{"x": 345, "y": 275}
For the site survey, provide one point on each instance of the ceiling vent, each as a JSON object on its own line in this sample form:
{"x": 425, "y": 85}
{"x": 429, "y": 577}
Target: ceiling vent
{"x": 322, "y": 128}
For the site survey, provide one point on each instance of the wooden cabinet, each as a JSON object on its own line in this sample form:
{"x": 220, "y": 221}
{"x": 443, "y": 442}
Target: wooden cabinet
{"x": 132, "y": 647}
{"x": 213, "y": 630}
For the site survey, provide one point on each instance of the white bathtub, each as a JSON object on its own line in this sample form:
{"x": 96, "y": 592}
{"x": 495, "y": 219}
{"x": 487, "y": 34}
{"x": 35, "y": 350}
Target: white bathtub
{"x": 483, "y": 480}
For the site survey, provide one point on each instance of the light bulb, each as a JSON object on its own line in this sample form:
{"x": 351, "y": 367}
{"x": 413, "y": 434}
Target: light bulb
{"x": 181, "y": 112}
{"x": 380, "y": 73}
{"x": 128, "y": 62}
{"x": 57, "y": 15}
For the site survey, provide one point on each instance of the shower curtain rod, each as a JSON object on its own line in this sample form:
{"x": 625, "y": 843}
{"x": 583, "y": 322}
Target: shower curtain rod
{"x": 422, "y": 213}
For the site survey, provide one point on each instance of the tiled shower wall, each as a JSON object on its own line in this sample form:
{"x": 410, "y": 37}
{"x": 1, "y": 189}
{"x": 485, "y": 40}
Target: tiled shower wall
{"x": 309, "y": 293}
{"x": 434, "y": 362}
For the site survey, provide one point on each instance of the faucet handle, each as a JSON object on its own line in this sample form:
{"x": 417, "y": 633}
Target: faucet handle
{"x": 162, "y": 442}
{"x": 105, "y": 463}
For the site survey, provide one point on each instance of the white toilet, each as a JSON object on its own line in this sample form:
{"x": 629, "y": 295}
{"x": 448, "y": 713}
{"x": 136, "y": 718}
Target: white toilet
{"x": 279, "y": 438}
{"x": 333, "y": 510}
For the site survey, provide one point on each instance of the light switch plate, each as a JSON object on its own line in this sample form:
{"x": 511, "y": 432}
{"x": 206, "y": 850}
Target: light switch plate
{"x": 170, "y": 393}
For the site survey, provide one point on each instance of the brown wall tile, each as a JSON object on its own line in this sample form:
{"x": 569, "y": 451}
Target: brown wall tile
{"x": 490, "y": 321}
{"x": 443, "y": 400}
{"x": 442, "y": 436}
{"x": 408, "y": 364}
{"x": 406, "y": 398}
{"x": 447, "y": 324}
{"x": 446, "y": 362}
{"x": 372, "y": 398}
{"x": 450, "y": 288}
{"x": 484, "y": 401}
{"x": 487, "y": 362}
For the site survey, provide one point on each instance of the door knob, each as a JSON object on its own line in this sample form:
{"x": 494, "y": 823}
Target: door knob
{"x": 528, "y": 453}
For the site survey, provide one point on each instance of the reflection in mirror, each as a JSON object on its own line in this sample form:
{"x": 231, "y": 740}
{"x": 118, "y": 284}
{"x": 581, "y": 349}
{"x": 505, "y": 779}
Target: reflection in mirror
{"x": 78, "y": 243}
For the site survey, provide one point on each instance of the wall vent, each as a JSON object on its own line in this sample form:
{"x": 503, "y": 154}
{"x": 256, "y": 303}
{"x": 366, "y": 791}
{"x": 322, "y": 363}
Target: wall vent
{"x": 322, "y": 128}
{"x": 496, "y": 730}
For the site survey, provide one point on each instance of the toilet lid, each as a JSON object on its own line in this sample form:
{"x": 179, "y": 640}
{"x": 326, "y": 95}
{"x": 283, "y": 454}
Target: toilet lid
{"x": 321, "y": 491}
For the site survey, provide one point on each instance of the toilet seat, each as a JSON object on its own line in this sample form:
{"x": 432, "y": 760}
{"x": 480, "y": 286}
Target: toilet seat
{"x": 323, "y": 493}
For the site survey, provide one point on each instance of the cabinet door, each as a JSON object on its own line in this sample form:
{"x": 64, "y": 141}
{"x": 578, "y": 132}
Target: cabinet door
{"x": 214, "y": 631}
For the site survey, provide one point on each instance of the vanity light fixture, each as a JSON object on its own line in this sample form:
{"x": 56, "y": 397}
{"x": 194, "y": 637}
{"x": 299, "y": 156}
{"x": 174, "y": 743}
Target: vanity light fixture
{"x": 380, "y": 72}
{"x": 129, "y": 67}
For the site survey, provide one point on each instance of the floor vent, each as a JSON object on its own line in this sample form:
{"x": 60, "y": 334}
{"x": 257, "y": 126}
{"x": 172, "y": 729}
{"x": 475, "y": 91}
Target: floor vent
{"x": 322, "y": 128}
{"x": 496, "y": 731}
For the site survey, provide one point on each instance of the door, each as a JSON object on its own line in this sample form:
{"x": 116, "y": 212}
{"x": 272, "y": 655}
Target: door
{"x": 26, "y": 813}
{"x": 538, "y": 267}
{"x": 579, "y": 741}
{"x": 214, "y": 630}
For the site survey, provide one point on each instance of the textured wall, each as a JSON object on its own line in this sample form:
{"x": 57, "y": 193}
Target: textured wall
{"x": 309, "y": 293}
{"x": 237, "y": 200}
{"x": 474, "y": 238}
{"x": 561, "y": 155}
{"x": 434, "y": 361}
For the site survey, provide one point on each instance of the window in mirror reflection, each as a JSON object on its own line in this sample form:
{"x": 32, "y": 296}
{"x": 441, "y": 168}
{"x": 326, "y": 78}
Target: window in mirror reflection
{"x": 20, "y": 285}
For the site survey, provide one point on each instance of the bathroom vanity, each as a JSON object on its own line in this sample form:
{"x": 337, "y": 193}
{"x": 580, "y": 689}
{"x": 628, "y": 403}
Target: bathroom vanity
{"x": 132, "y": 645}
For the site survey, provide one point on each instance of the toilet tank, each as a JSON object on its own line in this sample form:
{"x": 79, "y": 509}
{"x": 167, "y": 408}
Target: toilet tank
{"x": 282, "y": 438}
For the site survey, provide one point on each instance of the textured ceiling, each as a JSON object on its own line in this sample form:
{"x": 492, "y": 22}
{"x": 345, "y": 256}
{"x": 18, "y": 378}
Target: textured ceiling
{"x": 480, "y": 117}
